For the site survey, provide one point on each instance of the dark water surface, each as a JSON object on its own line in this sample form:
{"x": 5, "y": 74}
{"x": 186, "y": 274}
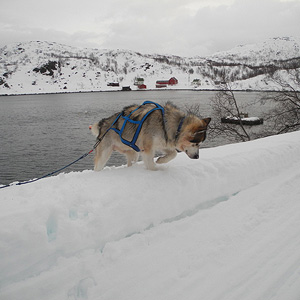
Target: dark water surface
{"x": 42, "y": 133}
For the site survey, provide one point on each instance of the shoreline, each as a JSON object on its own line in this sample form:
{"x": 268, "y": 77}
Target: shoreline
{"x": 146, "y": 90}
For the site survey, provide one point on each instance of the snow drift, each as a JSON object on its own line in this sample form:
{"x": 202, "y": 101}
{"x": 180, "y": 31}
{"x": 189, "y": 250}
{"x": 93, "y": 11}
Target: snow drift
{"x": 226, "y": 226}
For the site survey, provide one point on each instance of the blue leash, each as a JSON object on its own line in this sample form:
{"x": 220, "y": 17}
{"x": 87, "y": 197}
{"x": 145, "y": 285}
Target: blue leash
{"x": 56, "y": 171}
{"x": 59, "y": 170}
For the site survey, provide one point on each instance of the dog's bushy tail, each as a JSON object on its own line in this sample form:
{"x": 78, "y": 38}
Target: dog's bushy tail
{"x": 95, "y": 129}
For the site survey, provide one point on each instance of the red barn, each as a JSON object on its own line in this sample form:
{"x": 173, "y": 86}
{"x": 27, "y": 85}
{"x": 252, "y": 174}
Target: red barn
{"x": 164, "y": 83}
{"x": 173, "y": 81}
{"x": 160, "y": 85}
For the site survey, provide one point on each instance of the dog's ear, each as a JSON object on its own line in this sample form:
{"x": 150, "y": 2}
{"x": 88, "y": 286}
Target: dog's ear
{"x": 200, "y": 133}
{"x": 198, "y": 136}
{"x": 206, "y": 120}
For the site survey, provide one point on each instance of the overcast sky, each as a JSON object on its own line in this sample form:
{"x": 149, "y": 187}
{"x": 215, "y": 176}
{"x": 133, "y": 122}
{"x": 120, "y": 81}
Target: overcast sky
{"x": 179, "y": 27}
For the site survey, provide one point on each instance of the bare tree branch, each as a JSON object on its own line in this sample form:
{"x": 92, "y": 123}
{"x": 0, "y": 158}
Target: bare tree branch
{"x": 225, "y": 104}
{"x": 286, "y": 112}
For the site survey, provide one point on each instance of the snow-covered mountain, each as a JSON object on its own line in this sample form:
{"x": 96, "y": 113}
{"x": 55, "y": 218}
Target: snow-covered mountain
{"x": 275, "y": 49}
{"x": 44, "y": 67}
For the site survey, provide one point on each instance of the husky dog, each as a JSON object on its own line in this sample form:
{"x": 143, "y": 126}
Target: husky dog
{"x": 167, "y": 129}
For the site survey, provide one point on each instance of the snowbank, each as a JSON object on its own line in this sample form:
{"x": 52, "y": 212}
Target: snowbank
{"x": 226, "y": 226}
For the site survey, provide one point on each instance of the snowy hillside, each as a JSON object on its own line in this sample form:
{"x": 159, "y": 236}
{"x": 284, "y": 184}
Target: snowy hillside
{"x": 43, "y": 67}
{"x": 262, "y": 53}
{"x": 226, "y": 226}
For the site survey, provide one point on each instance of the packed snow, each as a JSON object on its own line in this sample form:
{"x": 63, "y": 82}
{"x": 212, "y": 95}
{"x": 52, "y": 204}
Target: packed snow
{"x": 226, "y": 226}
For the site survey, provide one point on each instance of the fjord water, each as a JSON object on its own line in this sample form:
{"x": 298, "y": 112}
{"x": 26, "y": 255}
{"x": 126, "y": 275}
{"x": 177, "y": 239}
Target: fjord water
{"x": 42, "y": 133}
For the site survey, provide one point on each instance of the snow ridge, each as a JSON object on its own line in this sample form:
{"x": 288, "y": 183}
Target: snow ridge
{"x": 134, "y": 234}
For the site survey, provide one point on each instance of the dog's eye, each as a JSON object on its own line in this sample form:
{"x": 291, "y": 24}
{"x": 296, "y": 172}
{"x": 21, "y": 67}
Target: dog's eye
{"x": 196, "y": 145}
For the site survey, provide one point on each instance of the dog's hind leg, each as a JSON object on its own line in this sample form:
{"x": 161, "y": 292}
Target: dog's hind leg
{"x": 101, "y": 157}
{"x": 132, "y": 157}
{"x": 170, "y": 154}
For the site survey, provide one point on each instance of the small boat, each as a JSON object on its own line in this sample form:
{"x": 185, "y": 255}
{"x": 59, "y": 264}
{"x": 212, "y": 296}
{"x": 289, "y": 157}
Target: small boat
{"x": 245, "y": 120}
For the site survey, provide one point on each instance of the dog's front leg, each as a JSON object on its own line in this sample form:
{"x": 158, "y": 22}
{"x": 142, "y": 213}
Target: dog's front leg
{"x": 170, "y": 154}
{"x": 148, "y": 158}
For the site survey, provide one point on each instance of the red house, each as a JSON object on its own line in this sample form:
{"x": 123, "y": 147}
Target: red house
{"x": 164, "y": 83}
{"x": 161, "y": 83}
{"x": 173, "y": 81}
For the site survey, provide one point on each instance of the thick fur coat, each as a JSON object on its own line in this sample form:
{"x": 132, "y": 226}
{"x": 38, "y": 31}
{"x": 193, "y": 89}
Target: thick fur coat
{"x": 175, "y": 132}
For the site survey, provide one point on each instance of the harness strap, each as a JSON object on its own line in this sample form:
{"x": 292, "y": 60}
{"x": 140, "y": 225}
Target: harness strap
{"x": 139, "y": 123}
{"x": 179, "y": 128}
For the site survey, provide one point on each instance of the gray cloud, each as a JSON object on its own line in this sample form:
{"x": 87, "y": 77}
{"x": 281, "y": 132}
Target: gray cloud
{"x": 189, "y": 28}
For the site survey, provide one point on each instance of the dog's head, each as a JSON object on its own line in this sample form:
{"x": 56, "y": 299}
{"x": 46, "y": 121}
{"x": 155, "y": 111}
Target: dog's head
{"x": 192, "y": 134}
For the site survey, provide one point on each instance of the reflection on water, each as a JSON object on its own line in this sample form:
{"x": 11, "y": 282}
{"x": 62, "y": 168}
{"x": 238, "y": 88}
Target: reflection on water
{"x": 42, "y": 133}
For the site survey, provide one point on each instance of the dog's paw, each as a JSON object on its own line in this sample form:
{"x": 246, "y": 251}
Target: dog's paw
{"x": 166, "y": 158}
{"x": 151, "y": 167}
{"x": 161, "y": 160}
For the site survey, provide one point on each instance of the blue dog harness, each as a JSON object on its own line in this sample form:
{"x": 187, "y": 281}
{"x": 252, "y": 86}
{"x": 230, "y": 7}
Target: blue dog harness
{"x": 139, "y": 123}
